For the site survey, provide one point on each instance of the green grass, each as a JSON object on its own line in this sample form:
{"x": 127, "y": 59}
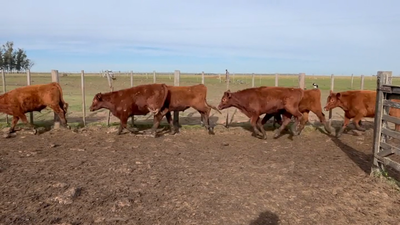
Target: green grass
{"x": 94, "y": 83}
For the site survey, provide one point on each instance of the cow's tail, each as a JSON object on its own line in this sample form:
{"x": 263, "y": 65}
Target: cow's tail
{"x": 163, "y": 107}
{"x": 64, "y": 104}
{"x": 213, "y": 107}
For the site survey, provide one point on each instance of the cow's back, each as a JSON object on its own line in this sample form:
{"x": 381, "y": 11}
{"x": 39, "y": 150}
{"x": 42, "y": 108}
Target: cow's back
{"x": 35, "y": 97}
{"x": 311, "y": 100}
{"x": 151, "y": 95}
{"x": 263, "y": 99}
{"x": 187, "y": 95}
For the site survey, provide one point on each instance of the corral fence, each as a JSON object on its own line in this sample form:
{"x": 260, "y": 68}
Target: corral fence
{"x": 219, "y": 81}
{"x": 386, "y": 152}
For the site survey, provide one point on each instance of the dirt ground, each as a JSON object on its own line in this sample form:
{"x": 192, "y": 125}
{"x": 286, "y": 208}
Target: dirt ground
{"x": 96, "y": 177}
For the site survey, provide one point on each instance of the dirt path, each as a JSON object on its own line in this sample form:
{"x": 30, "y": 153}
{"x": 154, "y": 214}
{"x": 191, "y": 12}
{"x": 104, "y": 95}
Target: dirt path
{"x": 95, "y": 177}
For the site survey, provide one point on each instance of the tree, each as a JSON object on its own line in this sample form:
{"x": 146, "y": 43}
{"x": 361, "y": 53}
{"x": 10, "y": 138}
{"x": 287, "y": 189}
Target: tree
{"x": 1, "y": 58}
{"x": 11, "y": 60}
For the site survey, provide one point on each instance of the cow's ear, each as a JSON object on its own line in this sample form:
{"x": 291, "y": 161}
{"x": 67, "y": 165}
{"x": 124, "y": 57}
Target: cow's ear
{"x": 228, "y": 93}
{"x": 338, "y": 95}
{"x": 99, "y": 96}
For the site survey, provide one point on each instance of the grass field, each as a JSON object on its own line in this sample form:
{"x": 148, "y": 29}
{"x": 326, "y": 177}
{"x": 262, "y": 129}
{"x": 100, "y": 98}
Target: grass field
{"x": 94, "y": 83}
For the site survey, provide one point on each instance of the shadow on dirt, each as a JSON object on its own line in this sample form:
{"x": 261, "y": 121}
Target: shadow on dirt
{"x": 362, "y": 160}
{"x": 192, "y": 118}
{"x": 266, "y": 218}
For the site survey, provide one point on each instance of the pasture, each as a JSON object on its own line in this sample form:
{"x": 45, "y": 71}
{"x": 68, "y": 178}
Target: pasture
{"x": 91, "y": 176}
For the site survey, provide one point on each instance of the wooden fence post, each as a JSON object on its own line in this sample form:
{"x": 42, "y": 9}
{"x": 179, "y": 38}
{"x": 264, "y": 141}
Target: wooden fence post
{"x": 352, "y": 80}
{"x": 227, "y": 88}
{"x": 55, "y": 78}
{"x": 110, "y": 85}
{"x": 29, "y": 82}
{"x": 133, "y": 117}
{"x": 3, "y": 77}
{"x": 302, "y": 80}
{"x": 362, "y": 82}
{"x": 276, "y": 80}
{"x": 381, "y": 79}
{"x": 154, "y": 76}
{"x": 332, "y": 87}
{"x": 176, "y": 83}
{"x": 83, "y": 98}
{"x": 252, "y": 80}
{"x": 202, "y": 77}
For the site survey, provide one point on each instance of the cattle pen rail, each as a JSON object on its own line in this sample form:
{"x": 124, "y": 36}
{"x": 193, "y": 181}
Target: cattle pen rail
{"x": 383, "y": 151}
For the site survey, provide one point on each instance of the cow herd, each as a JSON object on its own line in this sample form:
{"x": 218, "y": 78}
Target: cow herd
{"x": 282, "y": 103}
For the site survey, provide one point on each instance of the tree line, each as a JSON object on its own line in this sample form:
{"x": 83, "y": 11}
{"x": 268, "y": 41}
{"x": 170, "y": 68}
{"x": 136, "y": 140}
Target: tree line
{"x": 14, "y": 59}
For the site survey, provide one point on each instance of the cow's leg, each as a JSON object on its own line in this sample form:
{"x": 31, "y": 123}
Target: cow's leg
{"x": 253, "y": 121}
{"x": 277, "y": 119}
{"x": 206, "y": 116}
{"x": 171, "y": 123}
{"x": 296, "y": 113}
{"x": 131, "y": 129}
{"x": 156, "y": 122}
{"x": 61, "y": 114}
{"x": 261, "y": 128}
{"x": 321, "y": 117}
{"x": 13, "y": 124}
{"x": 287, "y": 117}
{"x": 123, "y": 122}
{"x": 303, "y": 121}
{"x": 357, "y": 120}
{"x": 25, "y": 120}
{"x": 345, "y": 123}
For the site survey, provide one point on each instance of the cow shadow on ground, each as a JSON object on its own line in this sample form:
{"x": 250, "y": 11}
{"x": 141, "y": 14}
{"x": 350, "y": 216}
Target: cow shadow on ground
{"x": 266, "y": 218}
{"x": 361, "y": 159}
{"x": 145, "y": 123}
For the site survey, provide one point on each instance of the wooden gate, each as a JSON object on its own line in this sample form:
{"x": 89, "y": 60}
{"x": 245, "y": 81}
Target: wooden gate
{"x": 386, "y": 153}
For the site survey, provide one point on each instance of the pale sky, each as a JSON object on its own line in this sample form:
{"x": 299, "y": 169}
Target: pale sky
{"x": 253, "y": 36}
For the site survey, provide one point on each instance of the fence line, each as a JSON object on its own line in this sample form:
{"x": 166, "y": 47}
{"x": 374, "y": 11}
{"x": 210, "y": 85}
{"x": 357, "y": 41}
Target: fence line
{"x": 204, "y": 77}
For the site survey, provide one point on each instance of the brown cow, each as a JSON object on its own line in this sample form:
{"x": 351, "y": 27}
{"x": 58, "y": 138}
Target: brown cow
{"x": 139, "y": 100}
{"x": 33, "y": 98}
{"x": 311, "y": 101}
{"x": 254, "y": 102}
{"x": 181, "y": 98}
{"x": 356, "y": 105}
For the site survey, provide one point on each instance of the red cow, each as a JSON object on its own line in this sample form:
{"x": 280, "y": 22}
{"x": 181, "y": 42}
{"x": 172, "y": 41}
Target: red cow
{"x": 256, "y": 101}
{"x": 139, "y": 100}
{"x": 33, "y": 98}
{"x": 311, "y": 101}
{"x": 181, "y": 98}
{"x": 356, "y": 105}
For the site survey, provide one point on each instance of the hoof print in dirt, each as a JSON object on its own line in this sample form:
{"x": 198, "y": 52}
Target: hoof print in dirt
{"x": 53, "y": 145}
{"x": 121, "y": 204}
{"x": 68, "y": 196}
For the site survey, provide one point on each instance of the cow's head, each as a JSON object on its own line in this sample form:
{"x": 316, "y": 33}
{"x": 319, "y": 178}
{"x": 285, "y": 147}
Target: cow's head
{"x": 97, "y": 102}
{"x": 226, "y": 100}
{"x": 332, "y": 101}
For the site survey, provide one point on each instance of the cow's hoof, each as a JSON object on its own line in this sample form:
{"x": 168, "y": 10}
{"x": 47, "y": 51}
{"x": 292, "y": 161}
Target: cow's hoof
{"x": 339, "y": 134}
{"x": 276, "y": 135}
{"x": 34, "y": 131}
